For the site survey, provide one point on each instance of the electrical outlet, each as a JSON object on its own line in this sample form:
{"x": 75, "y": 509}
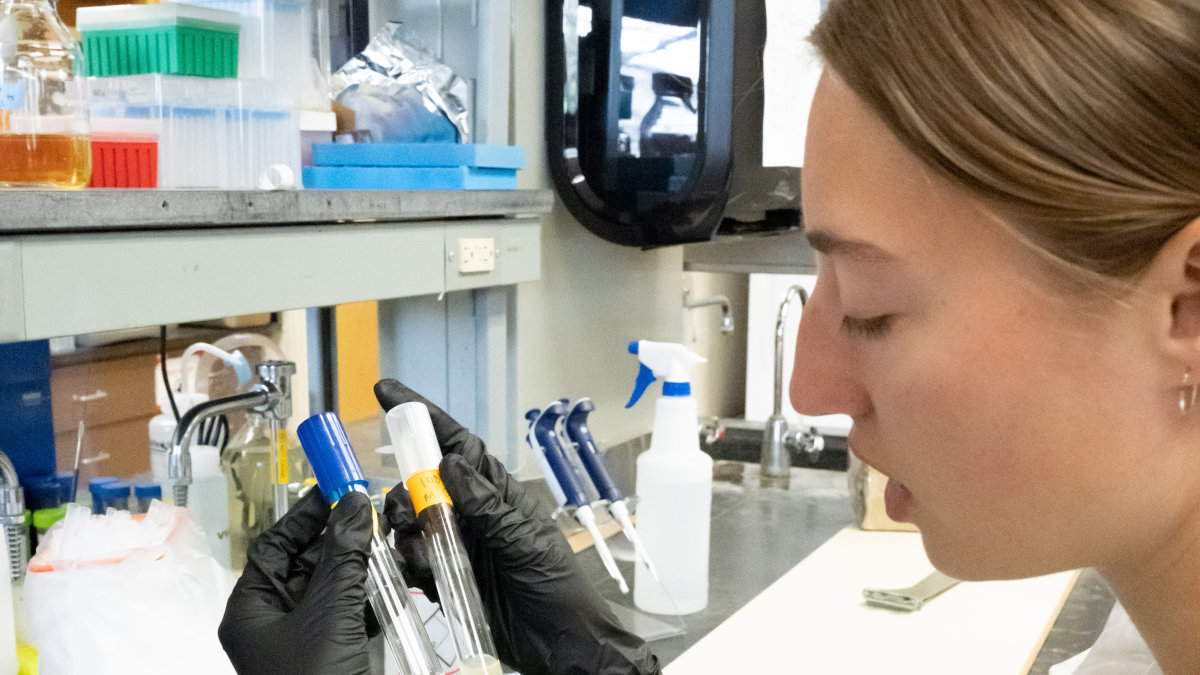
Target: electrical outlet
{"x": 476, "y": 255}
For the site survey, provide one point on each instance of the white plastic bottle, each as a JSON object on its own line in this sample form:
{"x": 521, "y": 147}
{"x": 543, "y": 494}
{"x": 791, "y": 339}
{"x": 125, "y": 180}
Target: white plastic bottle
{"x": 674, "y": 488}
{"x": 208, "y": 500}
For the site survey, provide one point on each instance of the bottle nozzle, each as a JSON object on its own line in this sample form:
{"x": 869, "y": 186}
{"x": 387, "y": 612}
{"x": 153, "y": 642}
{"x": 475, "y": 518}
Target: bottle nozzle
{"x": 668, "y": 360}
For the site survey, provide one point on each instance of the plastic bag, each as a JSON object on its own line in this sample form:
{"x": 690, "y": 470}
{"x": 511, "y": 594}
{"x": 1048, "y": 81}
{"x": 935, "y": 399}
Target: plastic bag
{"x": 401, "y": 93}
{"x": 114, "y": 594}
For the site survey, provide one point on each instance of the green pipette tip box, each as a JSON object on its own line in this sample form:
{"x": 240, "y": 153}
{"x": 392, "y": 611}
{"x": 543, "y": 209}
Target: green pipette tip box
{"x": 169, "y": 38}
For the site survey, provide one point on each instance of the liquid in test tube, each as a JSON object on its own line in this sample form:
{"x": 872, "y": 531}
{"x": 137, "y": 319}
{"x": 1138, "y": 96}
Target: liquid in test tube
{"x": 338, "y": 472}
{"x": 418, "y": 455}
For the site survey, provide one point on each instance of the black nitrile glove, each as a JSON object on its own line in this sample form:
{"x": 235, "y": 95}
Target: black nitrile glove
{"x": 299, "y": 606}
{"x": 545, "y": 617}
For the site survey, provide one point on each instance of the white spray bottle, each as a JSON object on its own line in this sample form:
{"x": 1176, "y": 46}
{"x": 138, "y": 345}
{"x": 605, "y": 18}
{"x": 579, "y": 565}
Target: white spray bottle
{"x": 674, "y": 487}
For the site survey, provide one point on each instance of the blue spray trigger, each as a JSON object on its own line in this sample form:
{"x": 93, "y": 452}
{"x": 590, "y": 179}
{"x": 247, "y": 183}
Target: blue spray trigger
{"x": 645, "y": 378}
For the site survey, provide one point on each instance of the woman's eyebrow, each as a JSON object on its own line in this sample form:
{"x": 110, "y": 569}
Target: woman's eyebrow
{"x": 830, "y": 244}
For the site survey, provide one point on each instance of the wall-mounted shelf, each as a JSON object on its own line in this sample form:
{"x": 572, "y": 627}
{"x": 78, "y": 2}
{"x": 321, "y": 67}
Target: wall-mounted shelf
{"x": 43, "y": 211}
{"x": 94, "y": 260}
{"x": 784, "y": 253}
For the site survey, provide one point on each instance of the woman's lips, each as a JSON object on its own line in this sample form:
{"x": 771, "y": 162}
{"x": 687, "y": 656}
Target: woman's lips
{"x": 898, "y": 501}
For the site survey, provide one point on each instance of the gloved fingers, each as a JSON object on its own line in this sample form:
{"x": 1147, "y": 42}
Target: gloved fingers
{"x": 338, "y": 583}
{"x": 452, "y": 436}
{"x": 271, "y": 559}
{"x": 511, "y": 490}
{"x": 408, "y": 541}
{"x": 516, "y": 537}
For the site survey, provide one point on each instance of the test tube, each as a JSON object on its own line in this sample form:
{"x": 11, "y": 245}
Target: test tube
{"x": 418, "y": 455}
{"x": 338, "y": 472}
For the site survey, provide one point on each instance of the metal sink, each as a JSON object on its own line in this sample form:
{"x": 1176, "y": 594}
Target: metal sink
{"x": 741, "y": 441}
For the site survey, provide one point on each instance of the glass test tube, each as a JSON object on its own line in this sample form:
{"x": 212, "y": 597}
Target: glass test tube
{"x": 418, "y": 455}
{"x": 338, "y": 472}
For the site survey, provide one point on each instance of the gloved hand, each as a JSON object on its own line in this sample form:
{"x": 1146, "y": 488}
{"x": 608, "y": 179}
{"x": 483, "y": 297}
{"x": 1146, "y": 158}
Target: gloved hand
{"x": 299, "y": 606}
{"x": 545, "y": 617}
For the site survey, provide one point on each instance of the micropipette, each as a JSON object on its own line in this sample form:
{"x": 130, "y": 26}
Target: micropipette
{"x": 582, "y": 475}
{"x": 578, "y": 432}
{"x": 338, "y": 472}
{"x": 545, "y": 435}
{"x": 418, "y": 455}
{"x": 551, "y": 481}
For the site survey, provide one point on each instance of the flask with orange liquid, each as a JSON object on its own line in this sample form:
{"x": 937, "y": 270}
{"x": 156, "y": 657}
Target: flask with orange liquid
{"x": 44, "y": 138}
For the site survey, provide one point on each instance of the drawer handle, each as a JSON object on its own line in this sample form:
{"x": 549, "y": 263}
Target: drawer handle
{"x": 94, "y": 396}
{"x": 100, "y": 457}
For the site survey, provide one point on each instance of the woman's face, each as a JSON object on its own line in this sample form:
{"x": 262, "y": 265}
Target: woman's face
{"x": 1020, "y": 431}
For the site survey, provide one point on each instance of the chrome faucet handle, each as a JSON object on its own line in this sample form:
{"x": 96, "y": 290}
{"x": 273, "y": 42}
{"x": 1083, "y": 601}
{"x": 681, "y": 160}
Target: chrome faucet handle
{"x": 712, "y": 430}
{"x": 806, "y": 440}
{"x": 277, "y": 377}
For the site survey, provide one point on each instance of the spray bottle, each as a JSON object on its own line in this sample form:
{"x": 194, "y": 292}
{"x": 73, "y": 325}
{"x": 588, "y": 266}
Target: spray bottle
{"x": 674, "y": 486}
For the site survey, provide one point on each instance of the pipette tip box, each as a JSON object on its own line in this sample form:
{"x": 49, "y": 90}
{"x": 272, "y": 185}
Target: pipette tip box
{"x": 124, "y": 160}
{"x": 170, "y": 38}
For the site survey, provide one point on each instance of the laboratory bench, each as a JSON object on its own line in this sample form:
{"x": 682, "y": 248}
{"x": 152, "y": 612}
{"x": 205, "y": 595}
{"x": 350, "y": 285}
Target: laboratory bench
{"x": 759, "y": 534}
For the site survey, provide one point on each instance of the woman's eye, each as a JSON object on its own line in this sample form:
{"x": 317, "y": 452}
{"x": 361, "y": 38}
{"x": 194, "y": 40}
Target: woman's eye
{"x": 872, "y": 327}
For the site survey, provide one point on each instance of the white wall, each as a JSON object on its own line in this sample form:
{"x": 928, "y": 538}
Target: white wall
{"x": 573, "y": 326}
{"x": 719, "y": 385}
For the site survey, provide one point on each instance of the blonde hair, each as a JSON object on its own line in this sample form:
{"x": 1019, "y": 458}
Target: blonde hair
{"x": 1079, "y": 120}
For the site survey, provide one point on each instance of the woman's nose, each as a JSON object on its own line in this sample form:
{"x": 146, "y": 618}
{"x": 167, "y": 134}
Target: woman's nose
{"x": 823, "y": 380}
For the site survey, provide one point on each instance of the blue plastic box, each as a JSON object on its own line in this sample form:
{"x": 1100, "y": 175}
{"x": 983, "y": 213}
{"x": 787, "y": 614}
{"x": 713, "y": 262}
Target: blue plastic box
{"x": 419, "y": 154}
{"x": 414, "y": 166}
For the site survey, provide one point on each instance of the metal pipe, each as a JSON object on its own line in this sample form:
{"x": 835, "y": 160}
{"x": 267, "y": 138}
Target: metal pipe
{"x": 12, "y": 517}
{"x": 279, "y": 466}
{"x": 179, "y": 461}
{"x": 723, "y": 301}
{"x": 780, "y": 321}
{"x": 775, "y": 461}
{"x": 272, "y": 397}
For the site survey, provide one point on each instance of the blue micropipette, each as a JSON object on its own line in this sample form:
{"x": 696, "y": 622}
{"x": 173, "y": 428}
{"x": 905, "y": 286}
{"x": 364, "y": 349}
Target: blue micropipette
{"x": 578, "y": 432}
{"x": 543, "y": 432}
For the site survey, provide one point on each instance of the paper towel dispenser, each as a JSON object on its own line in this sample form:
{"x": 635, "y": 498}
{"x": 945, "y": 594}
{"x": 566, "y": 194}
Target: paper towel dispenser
{"x": 639, "y": 101}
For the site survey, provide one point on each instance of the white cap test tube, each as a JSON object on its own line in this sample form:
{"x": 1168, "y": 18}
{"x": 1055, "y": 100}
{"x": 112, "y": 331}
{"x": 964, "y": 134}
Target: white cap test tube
{"x": 418, "y": 455}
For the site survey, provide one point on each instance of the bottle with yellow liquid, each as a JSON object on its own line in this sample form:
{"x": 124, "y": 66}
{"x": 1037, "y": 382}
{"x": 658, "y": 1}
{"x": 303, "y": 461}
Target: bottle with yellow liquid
{"x": 246, "y": 463}
{"x": 44, "y": 139}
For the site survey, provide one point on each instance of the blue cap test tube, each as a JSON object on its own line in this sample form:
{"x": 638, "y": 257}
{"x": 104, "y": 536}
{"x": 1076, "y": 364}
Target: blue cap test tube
{"x": 338, "y": 472}
{"x": 143, "y": 494}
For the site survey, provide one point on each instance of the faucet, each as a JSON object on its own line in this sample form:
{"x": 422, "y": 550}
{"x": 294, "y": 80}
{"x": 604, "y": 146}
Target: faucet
{"x": 726, "y": 317}
{"x": 778, "y": 442}
{"x": 12, "y": 519}
{"x": 272, "y": 398}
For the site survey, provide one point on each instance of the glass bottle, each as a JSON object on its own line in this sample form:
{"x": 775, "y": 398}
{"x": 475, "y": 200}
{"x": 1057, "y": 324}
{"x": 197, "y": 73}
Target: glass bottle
{"x": 246, "y": 462}
{"x": 44, "y": 139}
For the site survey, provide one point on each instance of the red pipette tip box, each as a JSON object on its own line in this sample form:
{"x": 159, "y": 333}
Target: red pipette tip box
{"x": 124, "y": 160}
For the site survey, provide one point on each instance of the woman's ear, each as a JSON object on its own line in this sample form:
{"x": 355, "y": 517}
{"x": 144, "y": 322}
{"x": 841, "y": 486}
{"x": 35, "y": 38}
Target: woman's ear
{"x": 1185, "y": 305}
{"x": 1177, "y": 272}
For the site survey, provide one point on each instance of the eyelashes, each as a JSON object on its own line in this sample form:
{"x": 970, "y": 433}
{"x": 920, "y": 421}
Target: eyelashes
{"x": 870, "y": 328}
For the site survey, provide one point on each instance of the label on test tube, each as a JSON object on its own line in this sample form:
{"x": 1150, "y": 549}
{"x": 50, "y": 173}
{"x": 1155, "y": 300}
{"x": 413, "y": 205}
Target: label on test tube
{"x": 426, "y": 489}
